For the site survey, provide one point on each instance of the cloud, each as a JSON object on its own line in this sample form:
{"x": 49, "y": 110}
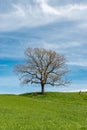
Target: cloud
{"x": 79, "y": 63}
{"x": 47, "y": 9}
{"x": 83, "y": 25}
{"x": 74, "y": 51}
{"x": 65, "y": 45}
{"x": 12, "y": 50}
{"x": 17, "y": 47}
{"x": 19, "y": 10}
{"x": 56, "y": 34}
{"x": 52, "y": 24}
{"x": 40, "y": 13}
{"x": 8, "y": 80}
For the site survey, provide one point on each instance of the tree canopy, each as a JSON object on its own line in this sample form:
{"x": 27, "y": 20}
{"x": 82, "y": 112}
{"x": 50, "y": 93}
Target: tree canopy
{"x": 44, "y": 67}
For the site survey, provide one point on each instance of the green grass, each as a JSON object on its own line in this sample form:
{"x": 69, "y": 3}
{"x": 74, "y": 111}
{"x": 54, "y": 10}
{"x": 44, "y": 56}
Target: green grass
{"x": 52, "y": 111}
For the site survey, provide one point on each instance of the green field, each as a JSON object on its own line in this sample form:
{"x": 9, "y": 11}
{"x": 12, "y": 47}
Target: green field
{"x": 53, "y": 111}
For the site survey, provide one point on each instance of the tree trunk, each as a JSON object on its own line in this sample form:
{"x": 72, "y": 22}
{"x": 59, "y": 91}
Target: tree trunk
{"x": 42, "y": 88}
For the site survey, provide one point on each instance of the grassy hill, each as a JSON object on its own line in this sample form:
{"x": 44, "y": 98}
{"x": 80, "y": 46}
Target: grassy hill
{"x": 52, "y": 111}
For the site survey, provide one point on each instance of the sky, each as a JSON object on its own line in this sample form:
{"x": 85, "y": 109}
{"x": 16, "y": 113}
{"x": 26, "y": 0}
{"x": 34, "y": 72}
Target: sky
{"x": 51, "y": 24}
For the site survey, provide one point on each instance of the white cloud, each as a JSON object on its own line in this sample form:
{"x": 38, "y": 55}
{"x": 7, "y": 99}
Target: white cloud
{"x": 78, "y": 63}
{"x": 57, "y": 46}
{"x": 82, "y": 25}
{"x": 12, "y": 50}
{"x": 19, "y": 10}
{"x": 8, "y": 80}
{"x": 39, "y": 14}
{"x": 47, "y": 9}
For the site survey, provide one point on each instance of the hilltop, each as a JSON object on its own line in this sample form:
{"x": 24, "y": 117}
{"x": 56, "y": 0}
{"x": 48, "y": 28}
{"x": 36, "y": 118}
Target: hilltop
{"x": 52, "y": 111}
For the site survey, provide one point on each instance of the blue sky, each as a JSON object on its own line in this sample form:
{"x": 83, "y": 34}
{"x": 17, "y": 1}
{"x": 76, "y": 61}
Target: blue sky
{"x": 51, "y": 24}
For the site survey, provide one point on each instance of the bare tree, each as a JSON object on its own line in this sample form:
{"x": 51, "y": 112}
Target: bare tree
{"x": 43, "y": 67}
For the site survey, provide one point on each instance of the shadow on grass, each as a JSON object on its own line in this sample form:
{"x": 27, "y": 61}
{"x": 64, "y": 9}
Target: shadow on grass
{"x": 32, "y": 94}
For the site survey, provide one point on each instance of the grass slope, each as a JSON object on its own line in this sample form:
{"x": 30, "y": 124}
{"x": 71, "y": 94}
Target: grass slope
{"x": 53, "y": 111}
